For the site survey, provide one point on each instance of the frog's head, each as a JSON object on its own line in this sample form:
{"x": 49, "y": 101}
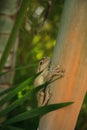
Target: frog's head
{"x": 44, "y": 63}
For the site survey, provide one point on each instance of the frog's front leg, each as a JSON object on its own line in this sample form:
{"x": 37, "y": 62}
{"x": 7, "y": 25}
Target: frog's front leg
{"x": 55, "y": 71}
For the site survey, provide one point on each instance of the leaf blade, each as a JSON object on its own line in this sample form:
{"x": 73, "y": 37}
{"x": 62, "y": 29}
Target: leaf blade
{"x": 36, "y": 112}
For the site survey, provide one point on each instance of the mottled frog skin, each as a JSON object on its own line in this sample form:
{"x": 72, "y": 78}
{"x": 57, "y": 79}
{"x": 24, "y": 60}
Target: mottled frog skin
{"x": 48, "y": 73}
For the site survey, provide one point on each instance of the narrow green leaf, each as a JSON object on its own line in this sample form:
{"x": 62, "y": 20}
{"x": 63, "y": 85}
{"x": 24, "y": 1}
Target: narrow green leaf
{"x": 36, "y": 112}
{"x": 17, "y": 68}
{"x": 16, "y": 27}
{"x": 16, "y": 90}
{"x": 14, "y": 128}
{"x": 10, "y": 128}
{"x": 20, "y": 101}
{"x": 14, "y": 87}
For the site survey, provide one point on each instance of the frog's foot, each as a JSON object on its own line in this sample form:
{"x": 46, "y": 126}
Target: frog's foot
{"x": 57, "y": 71}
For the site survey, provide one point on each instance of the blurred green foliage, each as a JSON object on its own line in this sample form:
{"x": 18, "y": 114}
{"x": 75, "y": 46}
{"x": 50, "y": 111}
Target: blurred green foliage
{"x": 38, "y": 36}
